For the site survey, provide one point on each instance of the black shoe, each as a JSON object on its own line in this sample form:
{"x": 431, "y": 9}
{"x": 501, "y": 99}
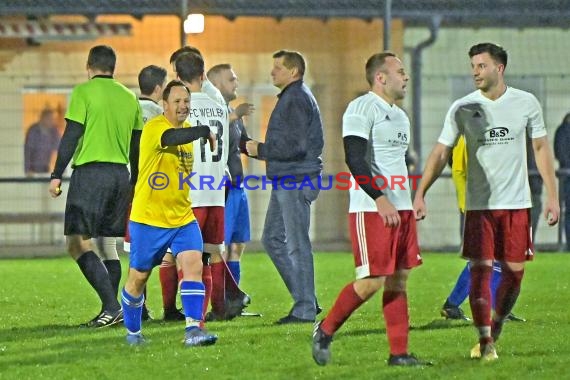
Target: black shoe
{"x": 514, "y": 318}
{"x": 407, "y": 360}
{"x": 174, "y": 315}
{"x": 145, "y": 316}
{"x": 450, "y": 311}
{"x": 292, "y": 319}
{"x": 234, "y": 307}
{"x": 105, "y": 319}
{"x": 211, "y": 316}
{"x": 321, "y": 344}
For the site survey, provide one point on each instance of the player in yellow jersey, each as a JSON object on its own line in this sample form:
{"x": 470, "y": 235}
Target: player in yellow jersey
{"x": 162, "y": 216}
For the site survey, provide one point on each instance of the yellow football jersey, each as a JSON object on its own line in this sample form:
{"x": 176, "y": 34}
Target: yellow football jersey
{"x": 459, "y": 171}
{"x": 161, "y": 194}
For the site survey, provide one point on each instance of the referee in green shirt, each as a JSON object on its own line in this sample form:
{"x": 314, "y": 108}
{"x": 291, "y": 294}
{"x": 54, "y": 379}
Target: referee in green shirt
{"x": 102, "y": 133}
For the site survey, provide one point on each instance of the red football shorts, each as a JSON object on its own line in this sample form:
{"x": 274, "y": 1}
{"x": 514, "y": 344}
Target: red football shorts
{"x": 211, "y": 221}
{"x": 502, "y": 235}
{"x": 379, "y": 250}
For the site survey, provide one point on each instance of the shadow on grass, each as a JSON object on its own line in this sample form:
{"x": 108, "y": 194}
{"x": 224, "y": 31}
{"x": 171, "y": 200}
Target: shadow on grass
{"x": 436, "y": 324}
{"x": 14, "y": 334}
{"x": 441, "y": 324}
{"x": 33, "y": 353}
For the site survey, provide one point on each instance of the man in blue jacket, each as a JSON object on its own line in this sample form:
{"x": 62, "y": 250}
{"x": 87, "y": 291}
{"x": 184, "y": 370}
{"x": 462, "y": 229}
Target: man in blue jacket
{"x": 292, "y": 150}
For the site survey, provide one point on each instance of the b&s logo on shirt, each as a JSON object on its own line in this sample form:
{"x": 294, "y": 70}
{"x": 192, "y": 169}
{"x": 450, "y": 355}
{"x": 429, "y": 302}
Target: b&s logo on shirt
{"x": 496, "y": 136}
{"x": 400, "y": 139}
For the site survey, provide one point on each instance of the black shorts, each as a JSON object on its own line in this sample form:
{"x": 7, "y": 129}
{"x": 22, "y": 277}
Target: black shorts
{"x": 97, "y": 200}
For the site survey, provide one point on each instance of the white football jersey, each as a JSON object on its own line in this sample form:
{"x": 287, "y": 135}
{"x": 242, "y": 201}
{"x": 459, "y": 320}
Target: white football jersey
{"x": 387, "y": 129}
{"x": 209, "y": 167}
{"x": 495, "y": 136}
{"x": 150, "y": 109}
{"x": 213, "y": 92}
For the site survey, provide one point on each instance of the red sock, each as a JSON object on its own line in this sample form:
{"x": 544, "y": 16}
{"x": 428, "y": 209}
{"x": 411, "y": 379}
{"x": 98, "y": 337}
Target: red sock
{"x": 169, "y": 284}
{"x": 207, "y": 280}
{"x": 218, "y": 287}
{"x": 395, "y": 309}
{"x": 345, "y": 304}
{"x": 480, "y": 296}
{"x": 508, "y": 291}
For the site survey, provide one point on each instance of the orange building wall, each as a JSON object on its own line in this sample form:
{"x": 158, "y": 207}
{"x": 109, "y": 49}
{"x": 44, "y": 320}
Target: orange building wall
{"x": 335, "y": 50}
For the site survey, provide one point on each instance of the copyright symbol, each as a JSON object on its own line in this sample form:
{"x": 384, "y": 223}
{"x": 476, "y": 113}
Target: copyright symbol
{"x": 158, "y": 181}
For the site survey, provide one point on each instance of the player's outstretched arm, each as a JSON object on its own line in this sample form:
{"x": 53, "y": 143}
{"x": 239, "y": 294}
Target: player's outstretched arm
{"x": 244, "y": 109}
{"x": 434, "y": 166}
{"x": 180, "y": 136}
{"x": 545, "y": 165}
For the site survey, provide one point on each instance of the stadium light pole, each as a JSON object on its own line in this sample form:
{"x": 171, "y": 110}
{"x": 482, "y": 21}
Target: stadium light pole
{"x": 387, "y": 24}
{"x": 417, "y": 62}
{"x": 183, "y": 15}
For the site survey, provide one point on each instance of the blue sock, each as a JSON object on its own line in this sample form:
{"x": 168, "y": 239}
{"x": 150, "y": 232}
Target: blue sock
{"x": 235, "y": 270}
{"x": 461, "y": 290}
{"x": 132, "y": 310}
{"x": 192, "y": 295}
{"x": 495, "y": 282}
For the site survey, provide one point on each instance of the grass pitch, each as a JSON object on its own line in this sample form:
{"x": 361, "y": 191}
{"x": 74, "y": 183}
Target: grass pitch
{"x": 43, "y": 300}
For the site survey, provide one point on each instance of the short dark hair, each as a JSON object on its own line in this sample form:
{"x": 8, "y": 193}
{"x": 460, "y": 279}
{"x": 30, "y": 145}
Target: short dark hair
{"x": 103, "y": 58}
{"x": 292, "y": 59}
{"x": 46, "y": 112}
{"x": 172, "y": 83}
{"x": 216, "y": 70}
{"x": 150, "y": 77}
{"x": 189, "y": 66}
{"x": 496, "y": 52}
{"x": 184, "y": 50}
{"x": 375, "y": 63}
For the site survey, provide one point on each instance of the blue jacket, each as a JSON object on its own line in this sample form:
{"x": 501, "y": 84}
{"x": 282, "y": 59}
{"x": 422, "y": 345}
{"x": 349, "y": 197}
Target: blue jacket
{"x": 294, "y": 139}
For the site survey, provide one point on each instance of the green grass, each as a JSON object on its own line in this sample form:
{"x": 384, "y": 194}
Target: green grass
{"x": 43, "y": 300}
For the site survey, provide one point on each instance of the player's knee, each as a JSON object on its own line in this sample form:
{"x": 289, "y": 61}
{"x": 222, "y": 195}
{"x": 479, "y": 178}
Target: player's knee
{"x": 397, "y": 282}
{"x": 76, "y": 246}
{"x": 396, "y": 286}
{"x": 108, "y": 248}
{"x": 513, "y": 276}
{"x": 135, "y": 285}
{"x": 367, "y": 287}
{"x": 236, "y": 250}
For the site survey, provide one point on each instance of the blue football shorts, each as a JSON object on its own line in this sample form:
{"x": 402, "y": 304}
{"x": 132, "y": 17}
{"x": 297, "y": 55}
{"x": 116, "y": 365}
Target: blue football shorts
{"x": 149, "y": 243}
{"x": 236, "y": 218}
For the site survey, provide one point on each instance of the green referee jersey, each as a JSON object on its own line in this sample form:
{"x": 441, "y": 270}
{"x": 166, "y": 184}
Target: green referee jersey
{"x": 109, "y": 113}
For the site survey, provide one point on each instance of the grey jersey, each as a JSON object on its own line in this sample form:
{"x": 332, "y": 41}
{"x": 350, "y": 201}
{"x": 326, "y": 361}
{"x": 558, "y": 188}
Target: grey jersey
{"x": 150, "y": 109}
